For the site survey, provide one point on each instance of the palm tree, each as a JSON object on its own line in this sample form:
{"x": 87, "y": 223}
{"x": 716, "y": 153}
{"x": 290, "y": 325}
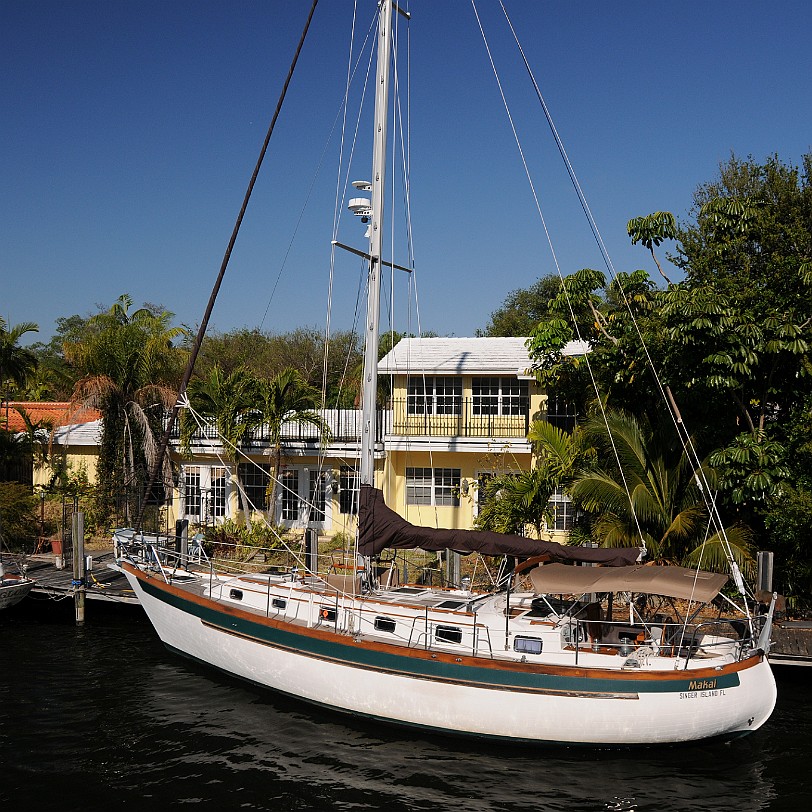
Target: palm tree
{"x": 285, "y": 400}
{"x": 231, "y": 401}
{"x": 664, "y": 504}
{"x": 130, "y": 368}
{"x": 515, "y": 500}
{"x": 17, "y": 364}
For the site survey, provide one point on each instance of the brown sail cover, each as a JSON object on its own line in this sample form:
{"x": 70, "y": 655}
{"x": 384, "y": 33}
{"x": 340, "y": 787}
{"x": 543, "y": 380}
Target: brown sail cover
{"x": 676, "y": 582}
{"x": 380, "y": 528}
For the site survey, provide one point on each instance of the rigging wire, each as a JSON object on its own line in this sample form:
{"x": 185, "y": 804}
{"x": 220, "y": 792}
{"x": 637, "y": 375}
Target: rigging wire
{"x": 683, "y": 436}
{"x": 558, "y": 267}
{"x": 187, "y": 374}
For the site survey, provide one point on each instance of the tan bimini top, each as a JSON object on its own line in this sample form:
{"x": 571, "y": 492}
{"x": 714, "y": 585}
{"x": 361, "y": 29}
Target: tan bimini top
{"x": 674, "y": 582}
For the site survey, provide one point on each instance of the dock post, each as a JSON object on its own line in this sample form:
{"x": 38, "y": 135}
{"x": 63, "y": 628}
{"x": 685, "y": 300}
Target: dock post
{"x": 182, "y": 539}
{"x": 312, "y": 550}
{"x": 78, "y": 533}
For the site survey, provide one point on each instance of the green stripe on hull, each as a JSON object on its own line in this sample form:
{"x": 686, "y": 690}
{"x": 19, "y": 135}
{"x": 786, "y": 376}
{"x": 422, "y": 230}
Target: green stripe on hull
{"x": 355, "y": 654}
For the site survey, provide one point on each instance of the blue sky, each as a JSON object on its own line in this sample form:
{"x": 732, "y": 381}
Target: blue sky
{"x": 129, "y": 131}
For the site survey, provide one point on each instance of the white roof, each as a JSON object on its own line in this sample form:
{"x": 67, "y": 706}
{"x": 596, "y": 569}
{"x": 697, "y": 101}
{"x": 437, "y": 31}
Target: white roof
{"x": 79, "y": 434}
{"x": 461, "y": 356}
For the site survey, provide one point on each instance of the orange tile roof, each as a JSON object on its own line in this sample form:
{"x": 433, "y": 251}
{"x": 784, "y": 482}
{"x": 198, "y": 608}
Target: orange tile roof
{"x": 58, "y": 413}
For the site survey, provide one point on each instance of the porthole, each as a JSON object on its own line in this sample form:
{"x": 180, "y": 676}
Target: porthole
{"x": 448, "y": 634}
{"x": 279, "y": 603}
{"x": 235, "y": 594}
{"x": 327, "y": 614}
{"x": 527, "y": 645}
{"x": 385, "y": 624}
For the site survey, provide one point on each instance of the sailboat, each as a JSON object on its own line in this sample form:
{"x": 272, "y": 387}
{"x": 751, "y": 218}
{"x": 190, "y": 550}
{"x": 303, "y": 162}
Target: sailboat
{"x": 545, "y": 657}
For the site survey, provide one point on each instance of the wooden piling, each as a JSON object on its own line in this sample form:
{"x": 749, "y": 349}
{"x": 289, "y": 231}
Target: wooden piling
{"x": 78, "y": 538}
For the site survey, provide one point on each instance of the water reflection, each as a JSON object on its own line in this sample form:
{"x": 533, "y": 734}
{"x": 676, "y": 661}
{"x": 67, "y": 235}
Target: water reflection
{"x": 106, "y": 716}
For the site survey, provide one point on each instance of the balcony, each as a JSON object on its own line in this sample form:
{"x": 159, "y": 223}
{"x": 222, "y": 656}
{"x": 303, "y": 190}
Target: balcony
{"x": 344, "y": 426}
{"x": 460, "y": 417}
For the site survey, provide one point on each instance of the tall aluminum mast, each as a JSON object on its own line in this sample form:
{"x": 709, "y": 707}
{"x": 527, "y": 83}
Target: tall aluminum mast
{"x": 372, "y": 327}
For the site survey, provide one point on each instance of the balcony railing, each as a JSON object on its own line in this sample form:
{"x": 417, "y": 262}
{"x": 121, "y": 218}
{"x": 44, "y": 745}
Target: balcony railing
{"x": 458, "y": 417}
{"x": 344, "y": 426}
{"x": 462, "y": 417}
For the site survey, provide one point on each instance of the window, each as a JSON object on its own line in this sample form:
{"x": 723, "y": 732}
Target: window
{"x": 560, "y": 413}
{"x": 191, "y": 486}
{"x": 561, "y": 510}
{"x": 418, "y": 486}
{"x": 447, "y": 486}
{"x": 279, "y": 603}
{"x": 327, "y": 614}
{"x": 255, "y": 479}
{"x": 205, "y": 492}
{"x": 235, "y": 594}
{"x": 434, "y": 395}
{"x": 289, "y": 484}
{"x": 218, "y": 492}
{"x": 448, "y": 634}
{"x": 317, "y": 496}
{"x": 527, "y": 645}
{"x": 483, "y": 479}
{"x": 348, "y": 490}
{"x": 433, "y": 486}
{"x": 499, "y": 396}
{"x": 384, "y": 624}
{"x": 301, "y": 497}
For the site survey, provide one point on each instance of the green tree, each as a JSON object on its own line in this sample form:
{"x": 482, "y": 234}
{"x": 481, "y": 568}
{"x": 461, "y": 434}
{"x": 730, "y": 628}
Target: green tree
{"x": 18, "y": 518}
{"x": 644, "y": 488}
{"x": 17, "y": 364}
{"x": 651, "y": 230}
{"x": 286, "y": 400}
{"x": 54, "y": 378}
{"x": 609, "y": 318}
{"x": 513, "y": 501}
{"x": 522, "y": 309}
{"x": 231, "y": 401}
{"x": 265, "y": 354}
{"x": 130, "y": 368}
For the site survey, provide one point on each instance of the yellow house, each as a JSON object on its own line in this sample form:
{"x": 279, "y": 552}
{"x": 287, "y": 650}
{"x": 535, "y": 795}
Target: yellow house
{"x": 458, "y": 413}
{"x": 74, "y": 435}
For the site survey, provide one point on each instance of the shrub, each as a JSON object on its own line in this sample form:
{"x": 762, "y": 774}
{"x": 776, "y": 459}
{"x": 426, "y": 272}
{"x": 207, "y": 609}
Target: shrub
{"x": 19, "y": 525}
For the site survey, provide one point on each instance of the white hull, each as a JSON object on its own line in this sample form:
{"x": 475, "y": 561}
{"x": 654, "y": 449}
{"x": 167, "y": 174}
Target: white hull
{"x": 633, "y": 714}
{"x": 13, "y": 591}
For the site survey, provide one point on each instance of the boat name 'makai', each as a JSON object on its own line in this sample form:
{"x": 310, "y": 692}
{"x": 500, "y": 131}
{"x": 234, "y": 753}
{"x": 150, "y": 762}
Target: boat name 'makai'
{"x": 701, "y": 684}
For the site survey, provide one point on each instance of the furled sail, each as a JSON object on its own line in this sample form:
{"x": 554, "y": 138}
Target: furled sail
{"x": 380, "y": 528}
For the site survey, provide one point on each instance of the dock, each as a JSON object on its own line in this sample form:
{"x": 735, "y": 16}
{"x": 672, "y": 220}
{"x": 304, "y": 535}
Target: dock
{"x": 791, "y": 643}
{"x": 102, "y": 583}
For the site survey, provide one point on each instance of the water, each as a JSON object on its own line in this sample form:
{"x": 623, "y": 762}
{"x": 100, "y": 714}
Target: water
{"x": 104, "y": 717}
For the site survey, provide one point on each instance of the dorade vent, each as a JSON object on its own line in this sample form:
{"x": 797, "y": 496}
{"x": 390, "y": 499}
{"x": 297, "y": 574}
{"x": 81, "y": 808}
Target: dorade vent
{"x": 448, "y": 634}
{"x": 527, "y": 645}
{"x": 279, "y": 603}
{"x": 385, "y": 624}
{"x": 235, "y": 594}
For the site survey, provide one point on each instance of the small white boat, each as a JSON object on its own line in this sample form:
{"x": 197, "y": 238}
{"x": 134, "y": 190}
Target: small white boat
{"x": 13, "y": 588}
{"x": 615, "y": 654}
